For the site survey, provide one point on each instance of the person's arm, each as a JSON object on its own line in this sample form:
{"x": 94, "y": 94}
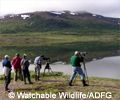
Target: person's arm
{"x": 13, "y": 61}
{"x": 45, "y": 58}
{"x": 35, "y": 61}
{"x": 9, "y": 64}
{"x": 28, "y": 63}
{"x": 81, "y": 59}
{"x": 21, "y": 63}
{"x": 2, "y": 63}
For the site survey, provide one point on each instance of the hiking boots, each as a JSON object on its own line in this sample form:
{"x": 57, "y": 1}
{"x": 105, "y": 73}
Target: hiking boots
{"x": 70, "y": 83}
{"x": 84, "y": 83}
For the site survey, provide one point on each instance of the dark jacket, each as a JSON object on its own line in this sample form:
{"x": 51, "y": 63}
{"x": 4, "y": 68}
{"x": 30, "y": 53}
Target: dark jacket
{"x": 6, "y": 63}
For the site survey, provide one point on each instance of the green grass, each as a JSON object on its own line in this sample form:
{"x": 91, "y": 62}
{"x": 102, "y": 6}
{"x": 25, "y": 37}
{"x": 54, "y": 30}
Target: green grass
{"x": 34, "y": 39}
{"x": 59, "y": 46}
{"x": 57, "y": 82}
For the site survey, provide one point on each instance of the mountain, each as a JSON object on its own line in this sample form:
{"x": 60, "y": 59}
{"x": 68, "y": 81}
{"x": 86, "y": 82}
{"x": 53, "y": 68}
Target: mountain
{"x": 57, "y": 21}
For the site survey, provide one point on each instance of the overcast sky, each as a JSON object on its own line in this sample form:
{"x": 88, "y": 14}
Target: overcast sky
{"x": 110, "y": 8}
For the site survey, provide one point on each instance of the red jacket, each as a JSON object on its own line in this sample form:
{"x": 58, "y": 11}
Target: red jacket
{"x": 16, "y": 62}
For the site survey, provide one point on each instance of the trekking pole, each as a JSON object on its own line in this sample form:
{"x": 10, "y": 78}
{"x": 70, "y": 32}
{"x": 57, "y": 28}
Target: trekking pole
{"x": 85, "y": 70}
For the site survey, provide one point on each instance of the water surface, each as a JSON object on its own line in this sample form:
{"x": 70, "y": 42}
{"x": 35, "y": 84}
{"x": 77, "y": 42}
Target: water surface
{"x": 108, "y": 67}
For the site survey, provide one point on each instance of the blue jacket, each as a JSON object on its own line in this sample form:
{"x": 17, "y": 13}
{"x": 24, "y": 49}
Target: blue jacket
{"x": 6, "y": 63}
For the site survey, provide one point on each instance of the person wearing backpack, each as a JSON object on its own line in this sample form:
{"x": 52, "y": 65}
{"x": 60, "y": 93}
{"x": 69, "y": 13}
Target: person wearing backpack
{"x": 7, "y": 71}
{"x": 25, "y": 69}
{"x": 76, "y": 66}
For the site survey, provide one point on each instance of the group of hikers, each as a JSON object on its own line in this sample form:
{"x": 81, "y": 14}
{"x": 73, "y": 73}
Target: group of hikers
{"x": 21, "y": 68}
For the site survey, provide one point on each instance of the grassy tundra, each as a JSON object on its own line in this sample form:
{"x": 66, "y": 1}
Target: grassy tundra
{"x": 59, "y": 46}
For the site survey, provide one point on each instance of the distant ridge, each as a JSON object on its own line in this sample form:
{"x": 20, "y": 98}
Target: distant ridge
{"x": 55, "y": 21}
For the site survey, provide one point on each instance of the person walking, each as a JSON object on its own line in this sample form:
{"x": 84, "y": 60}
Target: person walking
{"x": 25, "y": 69}
{"x": 7, "y": 71}
{"x": 76, "y": 66}
{"x": 38, "y": 65}
{"x": 17, "y": 67}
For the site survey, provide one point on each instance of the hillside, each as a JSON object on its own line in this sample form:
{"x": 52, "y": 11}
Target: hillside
{"x": 55, "y": 21}
{"x": 58, "y": 34}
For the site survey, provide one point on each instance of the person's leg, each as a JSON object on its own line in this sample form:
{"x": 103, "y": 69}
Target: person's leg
{"x": 36, "y": 73}
{"x": 73, "y": 75}
{"x": 80, "y": 72}
{"x": 7, "y": 81}
{"x": 22, "y": 70}
{"x": 28, "y": 76}
{"x": 48, "y": 67}
{"x": 6, "y": 85}
{"x": 44, "y": 70}
{"x": 39, "y": 67}
{"x": 15, "y": 74}
{"x": 9, "y": 77}
{"x": 20, "y": 74}
{"x": 24, "y": 76}
{"x": 82, "y": 75}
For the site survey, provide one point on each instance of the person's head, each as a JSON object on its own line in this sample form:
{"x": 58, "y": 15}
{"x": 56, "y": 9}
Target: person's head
{"x": 42, "y": 56}
{"x": 24, "y": 55}
{"x": 76, "y": 53}
{"x": 6, "y": 57}
{"x": 17, "y": 54}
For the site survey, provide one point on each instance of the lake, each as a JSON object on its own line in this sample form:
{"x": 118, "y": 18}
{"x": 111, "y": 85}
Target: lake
{"x": 108, "y": 67}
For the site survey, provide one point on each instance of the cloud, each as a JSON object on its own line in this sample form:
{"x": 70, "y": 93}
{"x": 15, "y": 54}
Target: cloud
{"x": 103, "y": 7}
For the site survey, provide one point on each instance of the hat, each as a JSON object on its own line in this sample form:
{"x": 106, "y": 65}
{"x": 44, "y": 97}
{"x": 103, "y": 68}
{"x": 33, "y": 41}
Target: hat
{"x": 25, "y": 55}
{"x": 6, "y": 56}
{"x": 76, "y": 52}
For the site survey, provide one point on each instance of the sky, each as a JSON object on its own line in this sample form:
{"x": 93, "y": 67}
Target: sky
{"x": 109, "y": 8}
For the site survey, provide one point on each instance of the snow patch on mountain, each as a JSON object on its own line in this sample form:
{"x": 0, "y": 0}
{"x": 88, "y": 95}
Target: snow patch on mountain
{"x": 25, "y": 16}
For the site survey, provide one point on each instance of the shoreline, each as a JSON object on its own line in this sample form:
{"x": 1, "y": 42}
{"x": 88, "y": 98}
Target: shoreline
{"x": 107, "y": 67}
